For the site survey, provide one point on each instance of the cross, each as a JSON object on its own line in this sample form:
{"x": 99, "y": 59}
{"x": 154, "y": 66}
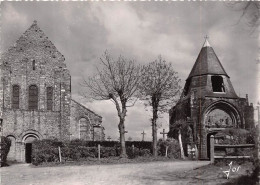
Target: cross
{"x": 109, "y": 138}
{"x": 163, "y": 133}
{"x": 143, "y": 133}
{"x": 206, "y": 37}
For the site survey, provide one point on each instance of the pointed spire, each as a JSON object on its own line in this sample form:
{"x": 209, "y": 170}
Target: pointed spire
{"x": 207, "y": 62}
{"x": 206, "y": 43}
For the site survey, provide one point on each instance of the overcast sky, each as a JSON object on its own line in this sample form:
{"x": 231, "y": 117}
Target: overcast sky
{"x": 82, "y": 31}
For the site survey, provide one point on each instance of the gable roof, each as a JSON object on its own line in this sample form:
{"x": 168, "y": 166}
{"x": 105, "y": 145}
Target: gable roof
{"x": 207, "y": 63}
{"x": 84, "y": 107}
{"x": 34, "y": 37}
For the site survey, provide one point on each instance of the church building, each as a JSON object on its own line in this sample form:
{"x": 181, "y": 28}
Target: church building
{"x": 208, "y": 105}
{"x": 35, "y": 97}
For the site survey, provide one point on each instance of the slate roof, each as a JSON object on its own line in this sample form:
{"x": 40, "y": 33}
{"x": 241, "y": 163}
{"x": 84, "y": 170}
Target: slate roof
{"x": 207, "y": 63}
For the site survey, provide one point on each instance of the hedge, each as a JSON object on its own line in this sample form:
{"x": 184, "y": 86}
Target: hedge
{"x": 5, "y": 147}
{"x": 76, "y": 150}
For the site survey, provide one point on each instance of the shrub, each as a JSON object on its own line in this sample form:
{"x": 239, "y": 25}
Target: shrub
{"x": 173, "y": 148}
{"x": 5, "y": 147}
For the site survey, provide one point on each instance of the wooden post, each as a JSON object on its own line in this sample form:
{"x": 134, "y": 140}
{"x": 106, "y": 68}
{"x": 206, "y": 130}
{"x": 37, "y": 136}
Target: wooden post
{"x": 99, "y": 152}
{"x": 212, "y": 154}
{"x": 60, "y": 154}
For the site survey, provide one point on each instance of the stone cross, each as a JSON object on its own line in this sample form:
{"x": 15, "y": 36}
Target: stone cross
{"x": 143, "y": 133}
{"x": 109, "y": 138}
{"x": 206, "y": 37}
{"x": 163, "y": 133}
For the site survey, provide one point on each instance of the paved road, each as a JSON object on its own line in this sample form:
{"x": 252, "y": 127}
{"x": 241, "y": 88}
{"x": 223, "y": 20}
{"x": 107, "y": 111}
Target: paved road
{"x": 154, "y": 173}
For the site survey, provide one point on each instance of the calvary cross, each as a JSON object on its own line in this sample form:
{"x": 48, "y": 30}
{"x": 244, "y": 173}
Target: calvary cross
{"x": 143, "y": 133}
{"x": 163, "y": 133}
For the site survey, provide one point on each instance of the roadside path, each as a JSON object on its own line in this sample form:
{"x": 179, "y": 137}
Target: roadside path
{"x": 153, "y": 173}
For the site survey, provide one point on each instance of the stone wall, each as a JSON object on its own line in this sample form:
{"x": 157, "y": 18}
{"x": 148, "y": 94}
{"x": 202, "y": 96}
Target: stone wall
{"x": 34, "y": 60}
{"x": 78, "y": 111}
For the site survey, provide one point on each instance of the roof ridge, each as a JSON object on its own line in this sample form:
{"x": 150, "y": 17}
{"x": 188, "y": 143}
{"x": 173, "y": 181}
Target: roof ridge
{"x": 86, "y": 108}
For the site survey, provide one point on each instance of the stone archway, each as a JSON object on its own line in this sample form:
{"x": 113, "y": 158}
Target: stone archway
{"x": 12, "y": 152}
{"x": 217, "y": 117}
{"x": 27, "y": 140}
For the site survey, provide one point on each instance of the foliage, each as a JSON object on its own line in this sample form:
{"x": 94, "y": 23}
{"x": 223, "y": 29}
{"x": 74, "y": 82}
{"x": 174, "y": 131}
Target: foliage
{"x": 45, "y": 151}
{"x": 159, "y": 89}
{"x": 117, "y": 81}
{"x": 250, "y": 12}
{"x": 174, "y": 150}
{"x": 159, "y": 85}
{"x": 238, "y": 136}
{"x": 5, "y": 147}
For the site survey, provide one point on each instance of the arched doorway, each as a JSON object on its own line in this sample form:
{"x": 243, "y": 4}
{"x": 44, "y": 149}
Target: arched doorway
{"x": 28, "y": 139}
{"x": 219, "y": 116}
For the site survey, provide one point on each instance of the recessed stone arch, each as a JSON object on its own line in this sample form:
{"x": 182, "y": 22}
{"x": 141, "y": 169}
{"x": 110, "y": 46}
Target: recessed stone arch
{"x": 85, "y": 128}
{"x": 12, "y": 151}
{"x": 224, "y": 108}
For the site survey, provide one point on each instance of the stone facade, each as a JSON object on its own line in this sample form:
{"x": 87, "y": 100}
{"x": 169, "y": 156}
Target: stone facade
{"x": 208, "y": 104}
{"x": 28, "y": 69}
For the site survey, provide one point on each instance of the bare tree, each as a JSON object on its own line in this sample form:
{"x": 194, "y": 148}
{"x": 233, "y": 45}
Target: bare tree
{"x": 159, "y": 87}
{"x": 250, "y": 12}
{"x": 116, "y": 81}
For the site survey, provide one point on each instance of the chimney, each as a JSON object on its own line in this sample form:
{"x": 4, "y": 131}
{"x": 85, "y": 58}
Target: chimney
{"x": 247, "y": 100}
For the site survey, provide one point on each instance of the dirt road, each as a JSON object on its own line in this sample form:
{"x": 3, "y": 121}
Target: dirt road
{"x": 154, "y": 173}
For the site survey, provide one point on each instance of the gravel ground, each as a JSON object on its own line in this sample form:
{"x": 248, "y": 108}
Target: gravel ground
{"x": 152, "y": 173}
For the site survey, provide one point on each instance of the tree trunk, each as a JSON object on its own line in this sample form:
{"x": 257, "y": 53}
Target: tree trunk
{"x": 180, "y": 142}
{"x": 121, "y": 128}
{"x": 154, "y": 131}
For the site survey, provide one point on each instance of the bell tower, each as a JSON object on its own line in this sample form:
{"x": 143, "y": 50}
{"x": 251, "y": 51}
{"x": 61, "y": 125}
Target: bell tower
{"x": 208, "y": 104}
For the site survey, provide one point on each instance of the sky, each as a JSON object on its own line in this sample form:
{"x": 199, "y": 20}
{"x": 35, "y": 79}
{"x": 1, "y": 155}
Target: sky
{"x": 83, "y": 31}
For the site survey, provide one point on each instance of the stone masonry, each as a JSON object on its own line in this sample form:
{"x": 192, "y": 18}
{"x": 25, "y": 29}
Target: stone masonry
{"x": 35, "y": 61}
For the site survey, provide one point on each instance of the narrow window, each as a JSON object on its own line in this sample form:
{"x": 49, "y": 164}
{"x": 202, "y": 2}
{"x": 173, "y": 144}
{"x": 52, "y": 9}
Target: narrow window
{"x": 217, "y": 84}
{"x": 33, "y": 64}
{"x": 33, "y": 97}
{"x": 15, "y": 100}
{"x": 84, "y": 129}
{"x": 49, "y": 98}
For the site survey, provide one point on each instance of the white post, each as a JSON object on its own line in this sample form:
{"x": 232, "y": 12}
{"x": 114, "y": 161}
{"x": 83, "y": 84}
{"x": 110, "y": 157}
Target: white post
{"x": 99, "y": 152}
{"x": 180, "y": 142}
{"x": 166, "y": 152}
{"x": 60, "y": 154}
